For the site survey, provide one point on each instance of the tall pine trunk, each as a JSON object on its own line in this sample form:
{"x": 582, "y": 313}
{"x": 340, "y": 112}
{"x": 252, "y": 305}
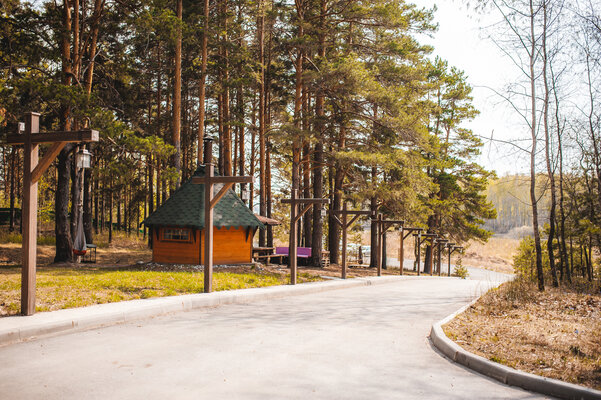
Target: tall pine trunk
{"x": 64, "y": 243}
{"x": 318, "y": 182}
{"x": 261, "y": 116}
{"x": 177, "y": 97}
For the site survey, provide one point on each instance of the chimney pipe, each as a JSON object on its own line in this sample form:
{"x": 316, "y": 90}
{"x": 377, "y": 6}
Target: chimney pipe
{"x": 208, "y": 150}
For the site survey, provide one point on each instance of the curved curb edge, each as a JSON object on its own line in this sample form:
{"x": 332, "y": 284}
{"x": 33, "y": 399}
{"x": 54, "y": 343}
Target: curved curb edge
{"x": 19, "y": 329}
{"x": 502, "y": 373}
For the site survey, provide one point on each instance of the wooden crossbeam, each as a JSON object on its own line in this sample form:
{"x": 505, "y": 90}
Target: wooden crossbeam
{"x": 45, "y": 162}
{"x": 354, "y": 219}
{"x": 337, "y": 220}
{"x": 410, "y": 231}
{"x": 85, "y": 135}
{"x": 302, "y": 212}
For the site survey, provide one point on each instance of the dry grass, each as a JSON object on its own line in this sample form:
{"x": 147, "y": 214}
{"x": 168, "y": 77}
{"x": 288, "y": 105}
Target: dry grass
{"x": 69, "y": 287}
{"x": 496, "y": 254}
{"x": 556, "y": 333}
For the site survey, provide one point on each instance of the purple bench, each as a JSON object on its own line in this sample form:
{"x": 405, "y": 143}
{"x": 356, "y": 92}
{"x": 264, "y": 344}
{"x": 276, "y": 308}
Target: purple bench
{"x": 301, "y": 252}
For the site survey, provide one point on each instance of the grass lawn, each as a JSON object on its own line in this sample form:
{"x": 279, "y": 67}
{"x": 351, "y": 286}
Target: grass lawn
{"x": 62, "y": 287}
{"x": 555, "y": 333}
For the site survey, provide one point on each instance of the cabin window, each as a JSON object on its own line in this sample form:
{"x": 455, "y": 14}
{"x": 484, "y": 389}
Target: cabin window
{"x": 176, "y": 234}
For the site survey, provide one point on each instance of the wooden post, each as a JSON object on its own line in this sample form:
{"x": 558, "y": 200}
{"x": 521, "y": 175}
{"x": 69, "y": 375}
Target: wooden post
{"x": 295, "y": 215}
{"x": 404, "y": 236}
{"x": 441, "y": 244}
{"x": 293, "y": 245}
{"x": 452, "y": 249}
{"x": 401, "y": 249}
{"x": 210, "y": 201}
{"x": 208, "y": 261}
{"x": 34, "y": 168}
{"x": 431, "y": 259}
{"x": 379, "y": 245}
{"x": 29, "y": 215}
{"x": 344, "y": 233}
{"x": 383, "y": 226}
{"x": 344, "y": 224}
{"x": 449, "y": 247}
{"x": 418, "y": 243}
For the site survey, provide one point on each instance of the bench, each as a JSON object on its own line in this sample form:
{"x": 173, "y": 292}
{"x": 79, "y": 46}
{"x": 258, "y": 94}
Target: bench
{"x": 301, "y": 252}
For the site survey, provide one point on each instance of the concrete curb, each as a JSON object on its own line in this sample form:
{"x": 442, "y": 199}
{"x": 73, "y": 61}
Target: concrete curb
{"x": 502, "y": 373}
{"x": 17, "y": 329}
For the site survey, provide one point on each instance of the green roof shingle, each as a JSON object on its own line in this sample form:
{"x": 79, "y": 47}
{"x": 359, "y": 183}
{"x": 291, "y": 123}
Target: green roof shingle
{"x": 185, "y": 208}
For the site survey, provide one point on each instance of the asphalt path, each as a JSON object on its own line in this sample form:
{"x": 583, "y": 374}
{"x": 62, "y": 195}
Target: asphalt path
{"x": 360, "y": 343}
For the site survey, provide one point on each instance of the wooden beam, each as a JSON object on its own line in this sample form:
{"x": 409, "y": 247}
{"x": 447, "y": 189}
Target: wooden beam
{"x": 208, "y": 240}
{"x": 337, "y": 220}
{"x": 292, "y": 245}
{"x": 220, "y": 194}
{"x": 354, "y": 219}
{"x": 46, "y": 161}
{"x": 303, "y": 211}
{"x": 86, "y": 135}
{"x": 345, "y": 226}
{"x": 30, "y": 216}
{"x": 410, "y": 231}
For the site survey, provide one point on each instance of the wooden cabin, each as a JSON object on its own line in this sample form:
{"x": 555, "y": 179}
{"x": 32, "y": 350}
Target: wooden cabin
{"x": 178, "y": 227}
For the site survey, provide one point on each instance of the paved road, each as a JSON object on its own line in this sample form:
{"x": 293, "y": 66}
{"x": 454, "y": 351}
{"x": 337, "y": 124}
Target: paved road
{"x": 361, "y": 343}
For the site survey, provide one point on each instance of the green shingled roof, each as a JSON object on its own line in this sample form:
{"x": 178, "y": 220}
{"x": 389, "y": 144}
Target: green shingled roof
{"x": 185, "y": 208}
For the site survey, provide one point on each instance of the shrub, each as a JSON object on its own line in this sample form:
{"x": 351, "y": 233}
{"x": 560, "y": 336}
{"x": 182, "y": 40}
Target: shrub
{"x": 460, "y": 270}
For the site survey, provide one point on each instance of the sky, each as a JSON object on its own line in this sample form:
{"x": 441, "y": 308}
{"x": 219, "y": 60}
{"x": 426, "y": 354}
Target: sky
{"x": 462, "y": 40}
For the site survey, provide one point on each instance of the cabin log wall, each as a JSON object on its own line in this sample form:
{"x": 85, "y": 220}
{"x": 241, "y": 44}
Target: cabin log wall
{"x": 230, "y": 246}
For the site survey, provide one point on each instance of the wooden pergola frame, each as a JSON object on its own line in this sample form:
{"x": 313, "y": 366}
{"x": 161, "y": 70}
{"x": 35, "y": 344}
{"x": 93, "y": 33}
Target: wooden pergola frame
{"x": 404, "y": 236}
{"x": 383, "y": 226}
{"x": 345, "y": 224}
{"x": 452, "y": 248}
{"x": 439, "y": 243}
{"x": 418, "y": 243}
{"x": 210, "y": 201}
{"x": 34, "y": 168}
{"x": 295, "y": 216}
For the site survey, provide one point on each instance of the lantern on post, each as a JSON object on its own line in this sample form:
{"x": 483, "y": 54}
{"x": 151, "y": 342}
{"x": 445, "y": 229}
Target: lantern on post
{"x": 83, "y": 159}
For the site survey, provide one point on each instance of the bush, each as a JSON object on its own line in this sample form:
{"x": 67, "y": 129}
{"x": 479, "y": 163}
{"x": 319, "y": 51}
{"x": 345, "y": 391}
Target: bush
{"x": 10, "y": 237}
{"x": 460, "y": 270}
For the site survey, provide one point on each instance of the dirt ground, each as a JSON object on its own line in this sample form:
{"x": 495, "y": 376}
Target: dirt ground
{"x": 121, "y": 252}
{"x": 556, "y": 333}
